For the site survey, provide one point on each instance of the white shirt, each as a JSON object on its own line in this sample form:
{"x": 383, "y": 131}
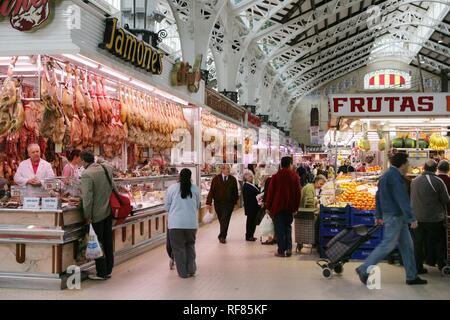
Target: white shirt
{"x": 25, "y": 172}
{"x": 224, "y": 177}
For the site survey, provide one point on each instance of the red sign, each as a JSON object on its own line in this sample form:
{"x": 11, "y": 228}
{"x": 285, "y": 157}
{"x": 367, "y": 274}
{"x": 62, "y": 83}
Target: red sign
{"x": 424, "y": 104}
{"x": 254, "y": 120}
{"x": 25, "y": 15}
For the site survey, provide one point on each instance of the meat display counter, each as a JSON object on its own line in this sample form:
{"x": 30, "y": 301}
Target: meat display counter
{"x": 38, "y": 246}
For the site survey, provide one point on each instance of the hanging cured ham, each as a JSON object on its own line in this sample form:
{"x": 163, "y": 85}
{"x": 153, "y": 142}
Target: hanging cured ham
{"x": 88, "y": 107}
{"x": 94, "y": 100}
{"x": 79, "y": 102}
{"x": 67, "y": 94}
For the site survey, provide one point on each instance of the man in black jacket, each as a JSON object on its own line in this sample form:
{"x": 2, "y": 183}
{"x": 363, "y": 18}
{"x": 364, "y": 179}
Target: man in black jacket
{"x": 224, "y": 192}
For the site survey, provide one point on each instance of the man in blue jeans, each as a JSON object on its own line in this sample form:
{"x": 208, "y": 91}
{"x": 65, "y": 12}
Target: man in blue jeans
{"x": 394, "y": 212}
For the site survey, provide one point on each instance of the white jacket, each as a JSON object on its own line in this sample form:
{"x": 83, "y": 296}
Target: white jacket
{"x": 25, "y": 172}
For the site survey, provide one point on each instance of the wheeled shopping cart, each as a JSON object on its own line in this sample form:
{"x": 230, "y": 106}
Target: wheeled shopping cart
{"x": 339, "y": 249}
{"x": 306, "y": 227}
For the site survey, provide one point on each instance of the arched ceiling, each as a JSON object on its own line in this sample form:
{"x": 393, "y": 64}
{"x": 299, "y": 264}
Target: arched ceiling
{"x": 307, "y": 43}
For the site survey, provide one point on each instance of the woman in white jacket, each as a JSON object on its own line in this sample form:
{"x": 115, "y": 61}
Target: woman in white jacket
{"x": 33, "y": 171}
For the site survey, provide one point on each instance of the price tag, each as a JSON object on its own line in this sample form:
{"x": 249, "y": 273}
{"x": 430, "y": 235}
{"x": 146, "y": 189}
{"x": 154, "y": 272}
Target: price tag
{"x": 58, "y": 148}
{"x": 31, "y": 203}
{"x": 50, "y": 203}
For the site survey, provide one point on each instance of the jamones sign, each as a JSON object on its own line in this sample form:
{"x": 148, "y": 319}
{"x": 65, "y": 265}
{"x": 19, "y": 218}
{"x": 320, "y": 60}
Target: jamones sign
{"x": 414, "y": 104}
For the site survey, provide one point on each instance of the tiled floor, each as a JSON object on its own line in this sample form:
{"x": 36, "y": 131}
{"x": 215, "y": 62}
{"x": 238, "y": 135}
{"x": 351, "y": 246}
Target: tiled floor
{"x": 239, "y": 270}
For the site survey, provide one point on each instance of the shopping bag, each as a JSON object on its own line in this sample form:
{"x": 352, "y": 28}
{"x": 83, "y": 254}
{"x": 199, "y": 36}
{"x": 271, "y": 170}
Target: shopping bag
{"x": 93, "y": 250}
{"x": 208, "y": 217}
{"x": 260, "y": 216}
{"x": 267, "y": 227}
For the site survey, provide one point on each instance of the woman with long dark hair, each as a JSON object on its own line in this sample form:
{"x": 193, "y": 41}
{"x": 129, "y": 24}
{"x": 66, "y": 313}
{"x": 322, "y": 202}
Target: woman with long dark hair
{"x": 182, "y": 204}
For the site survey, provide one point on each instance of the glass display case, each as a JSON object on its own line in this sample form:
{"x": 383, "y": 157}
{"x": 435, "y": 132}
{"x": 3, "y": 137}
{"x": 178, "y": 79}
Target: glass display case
{"x": 205, "y": 186}
{"x": 146, "y": 192}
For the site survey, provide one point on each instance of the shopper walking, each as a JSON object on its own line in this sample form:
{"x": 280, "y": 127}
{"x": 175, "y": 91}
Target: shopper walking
{"x": 182, "y": 204}
{"x": 251, "y": 207}
{"x": 429, "y": 198}
{"x": 95, "y": 192}
{"x": 394, "y": 211}
{"x": 283, "y": 200}
{"x": 224, "y": 192}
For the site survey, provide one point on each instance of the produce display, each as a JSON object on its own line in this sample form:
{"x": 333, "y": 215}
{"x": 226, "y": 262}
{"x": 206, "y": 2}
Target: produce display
{"x": 438, "y": 142}
{"x": 373, "y": 169}
{"x": 357, "y": 195}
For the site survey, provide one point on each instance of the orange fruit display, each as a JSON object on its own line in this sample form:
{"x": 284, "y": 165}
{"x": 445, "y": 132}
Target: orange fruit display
{"x": 361, "y": 200}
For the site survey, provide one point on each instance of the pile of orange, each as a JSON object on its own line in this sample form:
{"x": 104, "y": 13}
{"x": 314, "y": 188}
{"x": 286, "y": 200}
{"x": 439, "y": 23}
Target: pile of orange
{"x": 373, "y": 169}
{"x": 344, "y": 177}
{"x": 361, "y": 200}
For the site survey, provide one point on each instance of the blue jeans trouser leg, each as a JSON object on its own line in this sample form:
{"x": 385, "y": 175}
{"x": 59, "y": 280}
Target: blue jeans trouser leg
{"x": 396, "y": 232}
{"x": 283, "y": 230}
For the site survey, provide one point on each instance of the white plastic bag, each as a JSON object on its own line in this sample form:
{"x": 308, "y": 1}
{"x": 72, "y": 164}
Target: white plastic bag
{"x": 93, "y": 250}
{"x": 208, "y": 217}
{"x": 267, "y": 227}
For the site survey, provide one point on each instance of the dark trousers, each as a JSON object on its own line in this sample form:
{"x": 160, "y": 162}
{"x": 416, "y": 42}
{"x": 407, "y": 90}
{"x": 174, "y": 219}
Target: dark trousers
{"x": 168, "y": 246}
{"x": 283, "y": 230}
{"x": 429, "y": 240}
{"x": 224, "y": 212}
{"x": 183, "y": 250}
{"x": 251, "y": 224}
{"x": 105, "y": 264}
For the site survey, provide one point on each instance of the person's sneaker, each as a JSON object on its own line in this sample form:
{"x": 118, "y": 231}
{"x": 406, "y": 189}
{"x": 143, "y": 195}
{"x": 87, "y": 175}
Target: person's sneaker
{"x": 96, "y": 277}
{"x": 422, "y": 271}
{"x": 416, "y": 281}
{"x": 362, "y": 276}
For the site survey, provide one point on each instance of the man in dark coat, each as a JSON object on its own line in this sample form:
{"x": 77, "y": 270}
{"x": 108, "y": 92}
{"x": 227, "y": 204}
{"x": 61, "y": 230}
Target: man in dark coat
{"x": 251, "y": 207}
{"x": 224, "y": 192}
{"x": 283, "y": 200}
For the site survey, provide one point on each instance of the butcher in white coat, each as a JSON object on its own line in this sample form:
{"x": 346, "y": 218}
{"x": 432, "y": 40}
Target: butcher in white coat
{"x": 33, "y": 171}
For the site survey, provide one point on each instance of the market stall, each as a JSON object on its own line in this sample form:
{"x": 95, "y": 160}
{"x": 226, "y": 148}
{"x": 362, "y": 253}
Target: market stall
{"x": 366, "y": 129}
{"x": 71, "y": 87}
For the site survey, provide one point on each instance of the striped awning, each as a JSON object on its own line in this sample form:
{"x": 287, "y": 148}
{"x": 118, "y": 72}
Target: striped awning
{"x": 387, "y": 80}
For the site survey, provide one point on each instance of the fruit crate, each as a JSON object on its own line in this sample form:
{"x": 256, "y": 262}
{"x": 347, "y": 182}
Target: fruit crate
{"x": 330, "y": 231}
{"x": 358, "y": 216}
{"x": 331, "y": 212}
{"x": 361, "y": 254}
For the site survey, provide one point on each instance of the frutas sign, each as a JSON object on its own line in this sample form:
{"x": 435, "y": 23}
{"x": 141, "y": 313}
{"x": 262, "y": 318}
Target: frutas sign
{"x": 126, "y": 46}
{"x": 25, "y": 15}
{"x": 406, "y": 104}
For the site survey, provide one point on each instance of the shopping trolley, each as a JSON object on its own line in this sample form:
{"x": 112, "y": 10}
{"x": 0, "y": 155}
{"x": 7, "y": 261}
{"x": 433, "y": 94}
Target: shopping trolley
{"x": 339, "y": 249}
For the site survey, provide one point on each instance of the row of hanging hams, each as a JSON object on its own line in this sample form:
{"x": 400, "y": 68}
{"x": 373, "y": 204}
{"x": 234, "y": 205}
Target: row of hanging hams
{"x": 151, "y": 121}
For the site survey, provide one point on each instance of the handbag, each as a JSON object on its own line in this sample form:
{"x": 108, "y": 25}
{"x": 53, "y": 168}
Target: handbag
{"x": 120, "y": 203}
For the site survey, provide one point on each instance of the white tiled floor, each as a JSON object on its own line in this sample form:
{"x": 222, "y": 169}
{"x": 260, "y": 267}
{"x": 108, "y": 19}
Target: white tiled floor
{"x": 239, "y": 270}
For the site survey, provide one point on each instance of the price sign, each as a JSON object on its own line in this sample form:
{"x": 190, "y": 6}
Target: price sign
{"x": 50, "y": 203}
{"x": 31, "y": 203}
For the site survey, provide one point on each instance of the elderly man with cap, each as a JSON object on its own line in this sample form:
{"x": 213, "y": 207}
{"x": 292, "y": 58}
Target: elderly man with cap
{"x": 33, "y": 171}
{"x": 224, "y": 192}
{"x": 429, "y": 198}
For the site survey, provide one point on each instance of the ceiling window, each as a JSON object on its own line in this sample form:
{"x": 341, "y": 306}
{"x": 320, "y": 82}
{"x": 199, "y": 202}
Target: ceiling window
{"x": 387, "y": 79}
